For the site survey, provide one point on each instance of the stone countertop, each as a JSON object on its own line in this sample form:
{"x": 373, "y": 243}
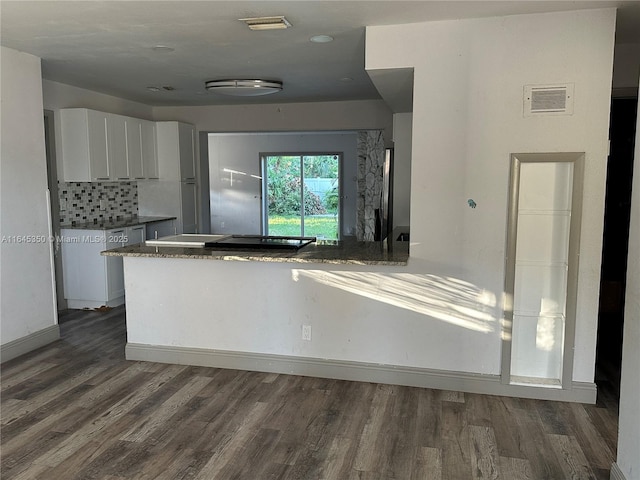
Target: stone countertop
{"x": 116, "y": 223}
{"x": 345, "y": 252}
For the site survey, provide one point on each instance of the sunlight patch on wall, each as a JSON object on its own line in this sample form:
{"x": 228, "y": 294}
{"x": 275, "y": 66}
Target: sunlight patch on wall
{"x": 444, "y": 298}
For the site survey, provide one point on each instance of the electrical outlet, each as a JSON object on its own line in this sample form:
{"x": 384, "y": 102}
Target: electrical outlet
{"x": 306, "y": 332}
{"x": 221, "y": 224}
{"x": 103, "y": 204}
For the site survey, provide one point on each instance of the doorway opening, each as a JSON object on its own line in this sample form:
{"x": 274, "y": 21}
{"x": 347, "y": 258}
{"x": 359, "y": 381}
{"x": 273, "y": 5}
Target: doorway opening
{"x": 622, "y": 134}
{"x": 301, "y": 195}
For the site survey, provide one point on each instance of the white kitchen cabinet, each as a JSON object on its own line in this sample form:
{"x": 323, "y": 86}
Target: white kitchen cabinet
{"x": 149, "y": 149}
{"x": 160, "y": 229}
{"x": 90, "y": 279}
{"x": 100, "y": 146}
{"x": 134, "y": 148}
{"x": 188, "y": 203}
{"x": 176, "y": 151}
{"x": 84, "y": 145}
{"x": 117, "y": 151}
{"x": 175, "y": 193}
{"x": 186, "y": 138}
{"x": 136, "y": 234}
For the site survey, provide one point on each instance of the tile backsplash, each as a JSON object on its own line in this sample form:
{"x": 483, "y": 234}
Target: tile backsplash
{"x": 80, "y": 201}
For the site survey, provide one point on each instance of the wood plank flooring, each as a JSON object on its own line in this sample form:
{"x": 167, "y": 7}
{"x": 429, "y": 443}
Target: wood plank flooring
{"x": 77, "y": 409}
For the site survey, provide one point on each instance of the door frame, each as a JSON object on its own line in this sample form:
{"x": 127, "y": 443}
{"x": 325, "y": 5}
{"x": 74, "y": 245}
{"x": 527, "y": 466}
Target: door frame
{"x": 263, "y": 184}
{"x": 517, "y": 159}
{"x": 52, "y": 182}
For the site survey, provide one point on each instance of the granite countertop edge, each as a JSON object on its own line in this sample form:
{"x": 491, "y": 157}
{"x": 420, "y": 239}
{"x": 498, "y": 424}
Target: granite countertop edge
{"x": 117, "y": 223}
{"x": 309, "y": 257}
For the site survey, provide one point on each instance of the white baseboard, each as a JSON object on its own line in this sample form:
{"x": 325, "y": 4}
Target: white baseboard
{"x": 82, "y": 304}
{"x": 616, "y": 473}
{"x": 23, "y": 345}
{"x": 355, "y": 371}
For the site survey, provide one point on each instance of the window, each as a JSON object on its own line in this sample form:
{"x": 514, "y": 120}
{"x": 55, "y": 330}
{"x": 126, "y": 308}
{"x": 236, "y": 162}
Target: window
{"x": 302, "y": 195}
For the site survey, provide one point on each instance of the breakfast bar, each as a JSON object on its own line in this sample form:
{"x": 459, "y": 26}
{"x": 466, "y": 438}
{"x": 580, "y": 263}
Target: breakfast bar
{"x": 349, "y": 310}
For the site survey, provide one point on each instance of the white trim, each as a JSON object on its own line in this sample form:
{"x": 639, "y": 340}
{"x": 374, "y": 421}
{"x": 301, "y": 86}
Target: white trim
{"x": 616, "y": 473}
{"x": 83, "y": 304}
{"x": 23, "y": 345}
{"x": 356, "y": 371}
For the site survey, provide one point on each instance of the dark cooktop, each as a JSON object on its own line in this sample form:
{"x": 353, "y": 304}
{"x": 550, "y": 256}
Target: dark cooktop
{"x": 260, "y": 242}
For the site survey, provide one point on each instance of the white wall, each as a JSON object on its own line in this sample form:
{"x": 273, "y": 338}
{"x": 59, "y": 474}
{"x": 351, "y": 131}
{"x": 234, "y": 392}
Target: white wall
{"x": 27, "y": 302}
{"x": 402, "y": 129}
{"x": 629, "y": 418}
{"x": 293, "y": 117}
{"x": 468, "y": 119}
{"x": 237, "y": 208}
{"x": 59, "y": 95}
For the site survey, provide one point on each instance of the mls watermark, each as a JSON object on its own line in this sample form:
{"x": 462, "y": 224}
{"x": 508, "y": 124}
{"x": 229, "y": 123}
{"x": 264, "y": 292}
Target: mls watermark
{"x": 35, "y": 239}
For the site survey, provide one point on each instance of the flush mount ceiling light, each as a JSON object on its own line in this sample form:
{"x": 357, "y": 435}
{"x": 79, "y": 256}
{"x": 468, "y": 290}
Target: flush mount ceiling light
{"x": 266, "y": 23}
{"x": 244, "y": 88}
{"x": 162, "y": 48}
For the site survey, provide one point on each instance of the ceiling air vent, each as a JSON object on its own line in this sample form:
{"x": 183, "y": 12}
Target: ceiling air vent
{"x": 548, "y": 99}
{"x": 266, "y": 23}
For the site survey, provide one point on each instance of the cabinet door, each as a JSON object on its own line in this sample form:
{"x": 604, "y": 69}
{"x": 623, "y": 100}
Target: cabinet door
{"x": 188, "y": 207}
{"x": 97, "y": 128}
{"x": 134, "y": 148}
{"x": 136, "y": 235}
{"x": 186, "y": 134}
{"x": 83, "y": 267}
{"x": 149, "y": 153}
{"x": 160, "y": 229}
{"x": 118, "y": 147}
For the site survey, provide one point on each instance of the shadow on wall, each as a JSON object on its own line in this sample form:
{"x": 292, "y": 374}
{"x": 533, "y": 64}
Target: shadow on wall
{"x": 448, "y": 299}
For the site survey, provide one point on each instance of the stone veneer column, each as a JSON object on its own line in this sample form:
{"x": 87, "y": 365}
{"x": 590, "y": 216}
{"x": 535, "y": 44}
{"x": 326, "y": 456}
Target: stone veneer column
{"x": 370, "y": 165}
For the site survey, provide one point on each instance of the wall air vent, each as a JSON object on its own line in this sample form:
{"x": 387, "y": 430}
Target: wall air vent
{"x": 548, "y": 99}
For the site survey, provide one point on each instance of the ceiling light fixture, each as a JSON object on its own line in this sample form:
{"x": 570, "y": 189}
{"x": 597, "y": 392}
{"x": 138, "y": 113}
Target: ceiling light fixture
{"x": 266, "y": 23}
{"x": 244, "y": 88}
{"x": 321, "y": 39}
{"x": 162, "y": 49}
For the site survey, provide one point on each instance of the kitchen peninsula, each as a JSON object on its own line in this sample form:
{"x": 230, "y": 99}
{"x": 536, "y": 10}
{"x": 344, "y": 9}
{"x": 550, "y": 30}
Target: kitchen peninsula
{"x": 322, "y": 310}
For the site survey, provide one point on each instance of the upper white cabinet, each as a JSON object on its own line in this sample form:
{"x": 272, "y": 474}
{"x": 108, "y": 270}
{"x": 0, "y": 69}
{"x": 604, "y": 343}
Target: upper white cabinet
{"x": 134, "y": 148}
{"x": 100, "y": 146}
{"x": 84, "y": 145}
{"x": 149, "y": 152}
{"x": 176, "y": 153}
{"x": 117, "y": 151}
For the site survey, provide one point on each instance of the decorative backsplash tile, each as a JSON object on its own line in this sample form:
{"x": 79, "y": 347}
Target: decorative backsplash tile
{"x": 80, "y": 201}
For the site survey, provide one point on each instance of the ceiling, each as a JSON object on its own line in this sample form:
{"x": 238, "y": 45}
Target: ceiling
{"x": 107, "y": 46}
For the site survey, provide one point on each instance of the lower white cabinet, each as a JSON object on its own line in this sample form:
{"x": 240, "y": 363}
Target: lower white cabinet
{"x": 90, "y": 279}
{"x": 161, "y": 229}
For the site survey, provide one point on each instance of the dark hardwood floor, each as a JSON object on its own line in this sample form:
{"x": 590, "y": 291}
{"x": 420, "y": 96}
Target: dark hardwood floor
{"x": 77, "y": 409}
